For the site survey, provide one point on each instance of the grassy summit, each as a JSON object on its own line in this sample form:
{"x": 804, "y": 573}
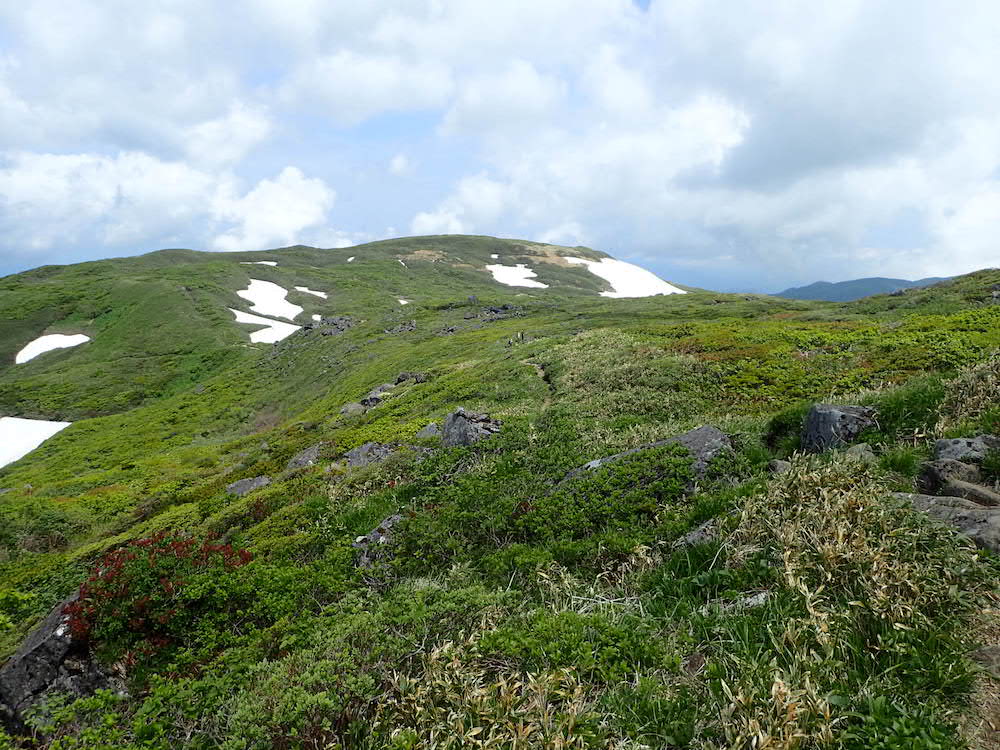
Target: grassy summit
{"x": 512, "y": 607}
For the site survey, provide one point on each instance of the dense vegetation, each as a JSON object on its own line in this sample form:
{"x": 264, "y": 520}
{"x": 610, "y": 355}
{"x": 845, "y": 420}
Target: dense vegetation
{"x": 516, "y": 610}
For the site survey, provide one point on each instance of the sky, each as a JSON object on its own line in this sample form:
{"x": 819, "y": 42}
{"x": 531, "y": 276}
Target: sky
{"x": 747, "y": 145}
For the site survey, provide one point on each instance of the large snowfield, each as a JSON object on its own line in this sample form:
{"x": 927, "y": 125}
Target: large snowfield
{"x": 47, "y": 343}
{"x": 268, "y": 298}
{"x": 18, "y": 437}
{"x": 275, "y": 331}
{"x": 519, "y": 275}
{"x": 626, "y": 279}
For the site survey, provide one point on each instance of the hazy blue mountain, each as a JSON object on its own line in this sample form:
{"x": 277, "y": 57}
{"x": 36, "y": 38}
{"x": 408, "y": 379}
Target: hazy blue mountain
{"x": 845, "y": 291}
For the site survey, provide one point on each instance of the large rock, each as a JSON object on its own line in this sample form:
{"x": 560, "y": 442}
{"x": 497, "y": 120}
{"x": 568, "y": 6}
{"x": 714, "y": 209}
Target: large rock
{"x": 703, "y": 443}
{"x": 353, "y": 409}
{"x": 367, "y": 454}
{"x": 935, "y": 474}
{"x": 244, "y": 486}
{"x": 416, "y": 377}
{"x": 974, "y": 492}
{"x": 373, "y": 547}
{"x": 981, "y": 525}
{"x": 430, "y": 431}
{"x": 972, "y": 450}
{"x": 376, "y": 394}
{"x": 830, "y": 426}
{"x": 305, "y": 458}
{"x": 463, "y": 427}
{"x": 49, "y": 661}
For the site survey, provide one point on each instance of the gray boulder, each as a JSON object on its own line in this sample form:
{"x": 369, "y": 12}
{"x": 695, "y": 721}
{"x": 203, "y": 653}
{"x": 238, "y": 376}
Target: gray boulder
{"x": 777, "y": 466}
{"x": 375, "y": 395}
{"x": 935, "y": 474}
{"x": 49, "y": 661}
{"x": 305, "y": 458}
{"x": 706, "y": 532}
{"x": 981, "y": 525}
{"x": 463, "y": 427}
{"x": 966, "y": 449}
{"x": 862, "y": 452}
{"x": 353, "y": 409}
{"x": 374, "y": 546}
{"x": 416, "y": 377}
{"x": 244, "y": 486}
{"x": 367, "y": 454}
{"x": 830, "y": 426}
{"x": 703, "y": 443}
{"x": 430, "y": 431}
{"x": 974, "y": 492}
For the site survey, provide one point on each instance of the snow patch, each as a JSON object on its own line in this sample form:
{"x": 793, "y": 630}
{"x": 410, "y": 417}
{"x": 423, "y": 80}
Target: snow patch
{"x": 47, "y": 343}
{"x": 275, "y": 331}
{"x": 317, "y": 318}
{"x": 307, "y": 290}
{"x": 519, "y": 275}
{"x": 351, "y": 259}
{"x": 494, "y": 256}
{"x": 404, "y": 301}
{"x": 402, "y": 263}
{"x": 258, "y": 263}
{"x": 269, "y": 299}
{"x": 626, "y": 279}
{"x": 18, "y": 437}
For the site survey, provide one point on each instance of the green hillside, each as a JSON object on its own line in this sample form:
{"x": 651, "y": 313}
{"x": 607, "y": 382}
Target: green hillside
{"x": 515, "y": 605}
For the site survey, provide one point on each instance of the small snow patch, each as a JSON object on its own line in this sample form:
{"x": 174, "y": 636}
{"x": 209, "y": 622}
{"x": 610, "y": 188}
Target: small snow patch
{"x": 402, "y": 263}
{"x": 258, "y": 263}
{"x": 404, "y": 301}
{"x": 519, "y": 275}
{"x": 269, "y": 299}
{"x": 351, "y": 259}
{"x": 317, "y": 318}
{"x": 307, "y": 290}
{"x": 494, "y": 256}
{"x": 47, "y": 343}
{"x": 18, "y": 437}
{"x": 626, "y": 279}
{"x": 275, "y": 331}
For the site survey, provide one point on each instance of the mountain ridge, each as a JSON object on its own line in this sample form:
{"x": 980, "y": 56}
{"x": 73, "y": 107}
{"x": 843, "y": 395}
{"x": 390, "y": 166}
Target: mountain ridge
{"x": 853, "y": 289}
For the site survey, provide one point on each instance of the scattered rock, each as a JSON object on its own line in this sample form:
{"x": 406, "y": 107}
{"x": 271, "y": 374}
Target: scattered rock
{"x": 706, "y": 532}
{"x": 430, "y": 431}
{"x": 353, "y": 409}
{"x": 463, "y": 427}
{"x": 367, "y": 454}
{"x": 777, "y": 466}
{"x": 375, "y": 395}
{"x": 491, "y": 314}
{"x": 935, "y": 474}
{"x": 974, "y": 492}
{"x": 416, "y": 377}
{"x": 305, "y": 458}
{"x": 703, "y": 443}
{"x": 49, "y": 661}
{"x": 243, "y": 486}
{"x": 862, "y": 452}
{"x": 988, "y": 657}
{"x": 966, "y": 449}
{"x": 981, "y": 525}
{"x": 830, "y": 426}
{"x": 329, "y": 326}
{"x": 470, "y": 315}
{"x": 447, "y": 331}
{"x": 749, "y": 601}
{"x": 404, "y": 327}
{"x": 373, "y": 547}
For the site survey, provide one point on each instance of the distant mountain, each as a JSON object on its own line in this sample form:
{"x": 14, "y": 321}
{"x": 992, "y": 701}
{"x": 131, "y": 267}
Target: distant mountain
{"x": 845, "y": 291}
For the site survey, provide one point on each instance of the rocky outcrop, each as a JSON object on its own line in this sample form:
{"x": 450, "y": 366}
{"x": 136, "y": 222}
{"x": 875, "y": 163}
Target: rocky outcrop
{"x": 374, "y": 546}
{"x": 329, "y": 326}
{"x": 777, "y": 466}
{"x": 703, "y": 443}
{"x": 706, "y": 532}
{"x": 415, "y": 377}
{"x": 353, "y": 409}
{"x": 862, "y": 452}
{"x": 244, "y": 486}
{"x": 967, "y": 450}
{"x": 305, "y": 458}
{"x": 463, "y": 427}
{"x": 49, "y": 661}
{"x": 970, "y": 491}
{"x": 981, "y": 525}
{"x": 375, "y": 395}
{"x": 430, "y": 431}
{"x": 367, "y": 454}
{"x": 404, "y": 327}
{"x": 831, "y": 426}
{"x": 936, "y": 474}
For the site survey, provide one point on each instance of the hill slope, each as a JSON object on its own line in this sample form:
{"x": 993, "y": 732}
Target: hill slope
{"x": 512, "y": 596}
{"x": 846, "y": 291}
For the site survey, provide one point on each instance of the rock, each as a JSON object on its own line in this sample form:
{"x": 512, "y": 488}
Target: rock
{"x": 935, "y": 474}
{"x": 966, "y": 449}
{"x": 405, "y": 327}
{"x": 416, "y": 377}
{"x": 430, "y": 431}
{"x": 373, "y": 547}
{"x": 470, "y": 315}
{"x": 974, "y": 492}
{"x": 305, "y": 458}
{"x": 830, "y": 426}
{"x": 446, "y": 331}
{"x": 777, "y": 466}
{"x": 703, "y": 443}
{"x": 367, "y": 454}
{"x": 862, "y": 452}
{"x": 375, "y": 395}
{"x": 243, "y": 486}
{"x": 706, "y": 532}
{"x": 329, "y": 326}
{"x": 981, "y": 525}
{"x": 988, "y": 657}
{"x": 353, "y": 409}
{"x": 463, "y": 427}
{"x": 49, "y": 661}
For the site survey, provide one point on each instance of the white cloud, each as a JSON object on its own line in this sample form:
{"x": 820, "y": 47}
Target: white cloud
{"x": 518, "y": 95}
{"x": 399, "y": 165}
{"x": 227, "y": 140}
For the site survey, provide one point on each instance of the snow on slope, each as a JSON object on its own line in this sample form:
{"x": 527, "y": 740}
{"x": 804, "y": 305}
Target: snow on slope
{"x": 275, "y": 331}
{"x": 307, "y": 290}
{"x": 47, "y": 343}
{"x": 519, "y": 275}
{"x": 18, "y": 437}
{"x": 269, "y": 299}
{"x": 258, "y": 263}
{"x": 626, "y": 279}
